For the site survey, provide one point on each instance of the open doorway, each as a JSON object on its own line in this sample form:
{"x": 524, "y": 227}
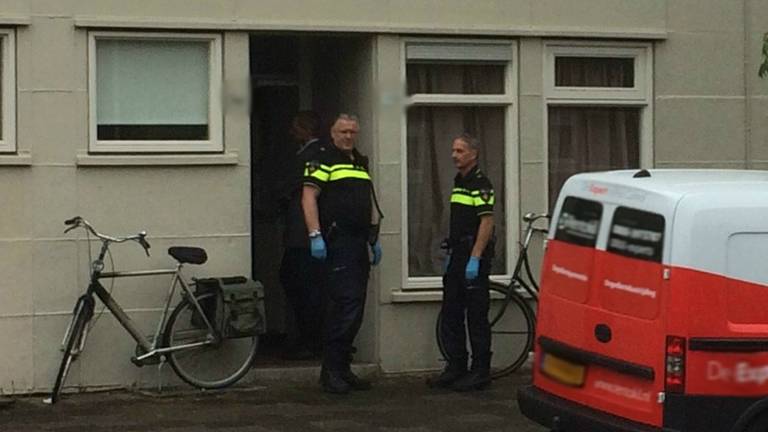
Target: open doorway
{"x": 291, "y": 73}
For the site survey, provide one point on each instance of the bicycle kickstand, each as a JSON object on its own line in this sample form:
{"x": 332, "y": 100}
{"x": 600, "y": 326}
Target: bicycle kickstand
{"x": 160, "y": 365}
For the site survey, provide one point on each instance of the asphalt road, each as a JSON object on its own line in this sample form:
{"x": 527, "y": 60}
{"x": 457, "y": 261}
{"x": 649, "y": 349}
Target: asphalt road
{"x": 396, "y": 404}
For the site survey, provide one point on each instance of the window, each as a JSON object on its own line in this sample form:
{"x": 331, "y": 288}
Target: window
{"x": 7, "y": 92}
{"x": 454, "y": 88}
{"x": 579, "y": 222}
{"x": 155, "y": 92}
{"x": 598, "y": 108}
{"x": 637, "y": 234}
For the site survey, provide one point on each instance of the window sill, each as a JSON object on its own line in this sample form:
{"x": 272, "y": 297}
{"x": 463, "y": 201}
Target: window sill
{"x": 22, "y": 158}
{"x": 416, "y": 296}
{"x": 85, "y": 159}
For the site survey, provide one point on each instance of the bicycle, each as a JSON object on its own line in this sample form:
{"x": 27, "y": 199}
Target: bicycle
{"x": 192, "y": 343}
{"x": 512, "y": 334}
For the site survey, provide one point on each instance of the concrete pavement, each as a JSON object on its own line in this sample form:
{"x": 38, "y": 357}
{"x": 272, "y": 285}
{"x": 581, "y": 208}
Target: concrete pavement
{"x": 396, "y": 404}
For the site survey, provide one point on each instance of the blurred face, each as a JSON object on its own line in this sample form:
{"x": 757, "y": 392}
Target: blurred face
{"x": 464, "y": 158}
{"x": 344, "y": 134}
{"x": 298, "y": 133}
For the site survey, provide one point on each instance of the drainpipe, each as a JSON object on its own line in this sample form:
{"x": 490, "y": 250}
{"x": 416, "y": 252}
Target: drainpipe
{"x": 747, "y": 102}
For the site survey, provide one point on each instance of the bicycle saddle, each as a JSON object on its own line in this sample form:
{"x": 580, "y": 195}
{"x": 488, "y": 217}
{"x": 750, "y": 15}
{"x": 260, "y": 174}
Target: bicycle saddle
{"x": 187, "y": 254}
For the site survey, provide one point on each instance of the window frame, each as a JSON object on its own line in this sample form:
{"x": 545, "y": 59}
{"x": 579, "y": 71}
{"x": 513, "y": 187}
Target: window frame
{"x": 638, "y": 93}
{"x": 8, "y": 142}
{"x": 464, "y": 51}
{"x": 640, "y": 96}
{"x": 215, "y": 141}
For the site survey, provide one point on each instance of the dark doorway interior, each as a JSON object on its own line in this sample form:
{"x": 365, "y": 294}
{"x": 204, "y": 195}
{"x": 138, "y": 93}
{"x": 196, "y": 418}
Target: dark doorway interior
{"x": 289, "y": 73}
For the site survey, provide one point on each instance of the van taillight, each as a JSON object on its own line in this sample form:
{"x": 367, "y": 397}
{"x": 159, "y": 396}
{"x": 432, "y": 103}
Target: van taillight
{"x": 675, "y": 377}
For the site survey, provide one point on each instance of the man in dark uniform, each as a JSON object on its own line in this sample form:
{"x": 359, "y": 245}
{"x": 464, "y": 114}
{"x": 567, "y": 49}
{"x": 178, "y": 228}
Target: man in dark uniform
{"x": 301, "y": 276}
{"x": 337, "y": 203}
{"x": 465, "y": 284}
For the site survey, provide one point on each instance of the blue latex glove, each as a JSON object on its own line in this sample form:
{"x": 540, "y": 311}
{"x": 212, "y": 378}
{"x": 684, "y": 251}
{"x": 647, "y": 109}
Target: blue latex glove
{"x": 317, "y": 248}
{"x": 376, "y": 251}
{"x": 473, "y": 268}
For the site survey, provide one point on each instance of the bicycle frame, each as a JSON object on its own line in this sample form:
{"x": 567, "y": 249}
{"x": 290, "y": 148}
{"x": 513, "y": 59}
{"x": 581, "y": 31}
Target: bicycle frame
{"x": 530, "y": 287}
{"x": 151, "y": 348}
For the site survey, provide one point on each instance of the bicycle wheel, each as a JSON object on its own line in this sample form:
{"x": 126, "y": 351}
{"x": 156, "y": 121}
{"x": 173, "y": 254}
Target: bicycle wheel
{"x": 219, "y": 363}
{"x": 81, "y": 316}
{"x": 512, "y": 327}
{"x": 513, "y": 324}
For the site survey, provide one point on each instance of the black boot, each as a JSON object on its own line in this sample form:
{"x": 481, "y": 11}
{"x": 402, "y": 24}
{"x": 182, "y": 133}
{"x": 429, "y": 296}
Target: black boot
{"x": 475, "y": 380}
{"x": 478, "y": 378}
{"x": 355, "y": 382}
{"x": 448, "y": 376}
{"x": 334, "y": 382}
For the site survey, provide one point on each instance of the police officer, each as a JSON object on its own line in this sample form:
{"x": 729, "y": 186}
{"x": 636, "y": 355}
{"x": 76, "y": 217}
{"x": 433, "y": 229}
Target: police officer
{"x": 301, "y": 276}
{"x": 465, "y": 283}
{"x": 337, "y": 203}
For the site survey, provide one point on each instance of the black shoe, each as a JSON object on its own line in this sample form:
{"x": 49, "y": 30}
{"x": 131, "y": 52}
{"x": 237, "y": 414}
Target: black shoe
{"x": 356, "y": 382}
{"x": 474, "y": 380}
{"x": 334, "y": 382}
{"x": 447, "y": 377}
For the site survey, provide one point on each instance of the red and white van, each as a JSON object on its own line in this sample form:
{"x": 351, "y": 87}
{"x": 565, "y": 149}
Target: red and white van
{"x": 653, "y": 311}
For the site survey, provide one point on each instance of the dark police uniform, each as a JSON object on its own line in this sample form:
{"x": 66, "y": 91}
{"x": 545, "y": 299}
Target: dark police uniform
{"x": 301, "y": 276}
{"x": 344, "y": 205}
{"x": 471, "y": 198}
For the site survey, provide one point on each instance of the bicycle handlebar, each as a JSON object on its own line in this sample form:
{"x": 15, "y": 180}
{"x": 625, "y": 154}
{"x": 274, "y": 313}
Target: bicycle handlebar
{"x": 533, "y": 217}
{"x": 78, "y": 221}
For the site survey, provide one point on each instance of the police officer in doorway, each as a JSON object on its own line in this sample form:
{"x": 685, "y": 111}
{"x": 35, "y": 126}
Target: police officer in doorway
{"x": 465, "y": 283}
{"x": 337, "y": 201}
{"x": 301, "y": 276}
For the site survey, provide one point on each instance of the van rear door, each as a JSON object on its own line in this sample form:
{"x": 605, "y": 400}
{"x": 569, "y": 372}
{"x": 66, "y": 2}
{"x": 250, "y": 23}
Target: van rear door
{"x": 601, "y": 315}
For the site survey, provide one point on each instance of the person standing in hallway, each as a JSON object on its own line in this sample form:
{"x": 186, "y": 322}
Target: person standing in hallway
{"x": 301, "y": 276}
{"x": 465, "y": 283}
{"x": 337, "y": 200}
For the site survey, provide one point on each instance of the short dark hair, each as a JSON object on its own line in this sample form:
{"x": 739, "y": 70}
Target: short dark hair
{"x": 471, "y": 141}
{"x": 346, "y": 116}
{"x": 308, "y": 121}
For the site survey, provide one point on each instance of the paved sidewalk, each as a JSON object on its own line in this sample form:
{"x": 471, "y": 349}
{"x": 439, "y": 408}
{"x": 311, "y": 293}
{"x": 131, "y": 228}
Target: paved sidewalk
{"x": 396, "y": 404}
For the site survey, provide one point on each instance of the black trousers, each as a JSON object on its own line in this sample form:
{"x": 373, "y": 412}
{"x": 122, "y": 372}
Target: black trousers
{"x": 466, "y": 300}
{"x": 348, "y": 267}
{"x": 303, "y": 279}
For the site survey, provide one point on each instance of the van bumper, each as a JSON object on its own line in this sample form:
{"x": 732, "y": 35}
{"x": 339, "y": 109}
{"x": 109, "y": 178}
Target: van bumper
{"x": 547, "y": 409}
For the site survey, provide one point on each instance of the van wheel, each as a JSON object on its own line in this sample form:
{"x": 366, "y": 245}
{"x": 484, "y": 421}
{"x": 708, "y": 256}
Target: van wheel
{"x": 759, "y": 424}
{"x": 754, "y": 419}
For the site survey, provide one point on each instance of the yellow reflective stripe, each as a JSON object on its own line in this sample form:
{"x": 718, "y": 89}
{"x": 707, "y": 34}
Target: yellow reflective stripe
{"x": 462, "y": 190}
{"x": 340, "y": 174}
{"x": 340, "y": 166}
{"x": 462, "y": 199}
{"x": 479, "y": 201}
{"x": 317, "y": 174}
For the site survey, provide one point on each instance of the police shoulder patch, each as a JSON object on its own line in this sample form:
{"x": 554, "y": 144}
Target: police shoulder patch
{"x": 486, "y": 194}
{"x": 313, "y": 166}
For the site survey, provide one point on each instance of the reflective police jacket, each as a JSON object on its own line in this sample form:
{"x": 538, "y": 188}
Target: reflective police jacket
{"x": 345, "y": 191}
{"x": 471, "y": 198}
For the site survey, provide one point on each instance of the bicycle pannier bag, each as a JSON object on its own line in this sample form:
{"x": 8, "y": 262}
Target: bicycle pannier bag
{"x": 243, "y": 307}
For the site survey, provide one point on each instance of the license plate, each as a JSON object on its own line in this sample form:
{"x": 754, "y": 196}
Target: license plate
{"x": 563, "y": 371}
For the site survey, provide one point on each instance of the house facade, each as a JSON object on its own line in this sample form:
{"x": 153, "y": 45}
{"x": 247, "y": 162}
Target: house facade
{"x": 170, "y": 116}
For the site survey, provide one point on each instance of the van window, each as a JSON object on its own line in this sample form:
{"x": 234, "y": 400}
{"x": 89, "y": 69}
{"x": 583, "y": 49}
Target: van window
{"x": 579, "y": 221}
{"x": 637, "y": 234}
{"x": 567, "y": 269}
{"x": 629, "y": 279}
